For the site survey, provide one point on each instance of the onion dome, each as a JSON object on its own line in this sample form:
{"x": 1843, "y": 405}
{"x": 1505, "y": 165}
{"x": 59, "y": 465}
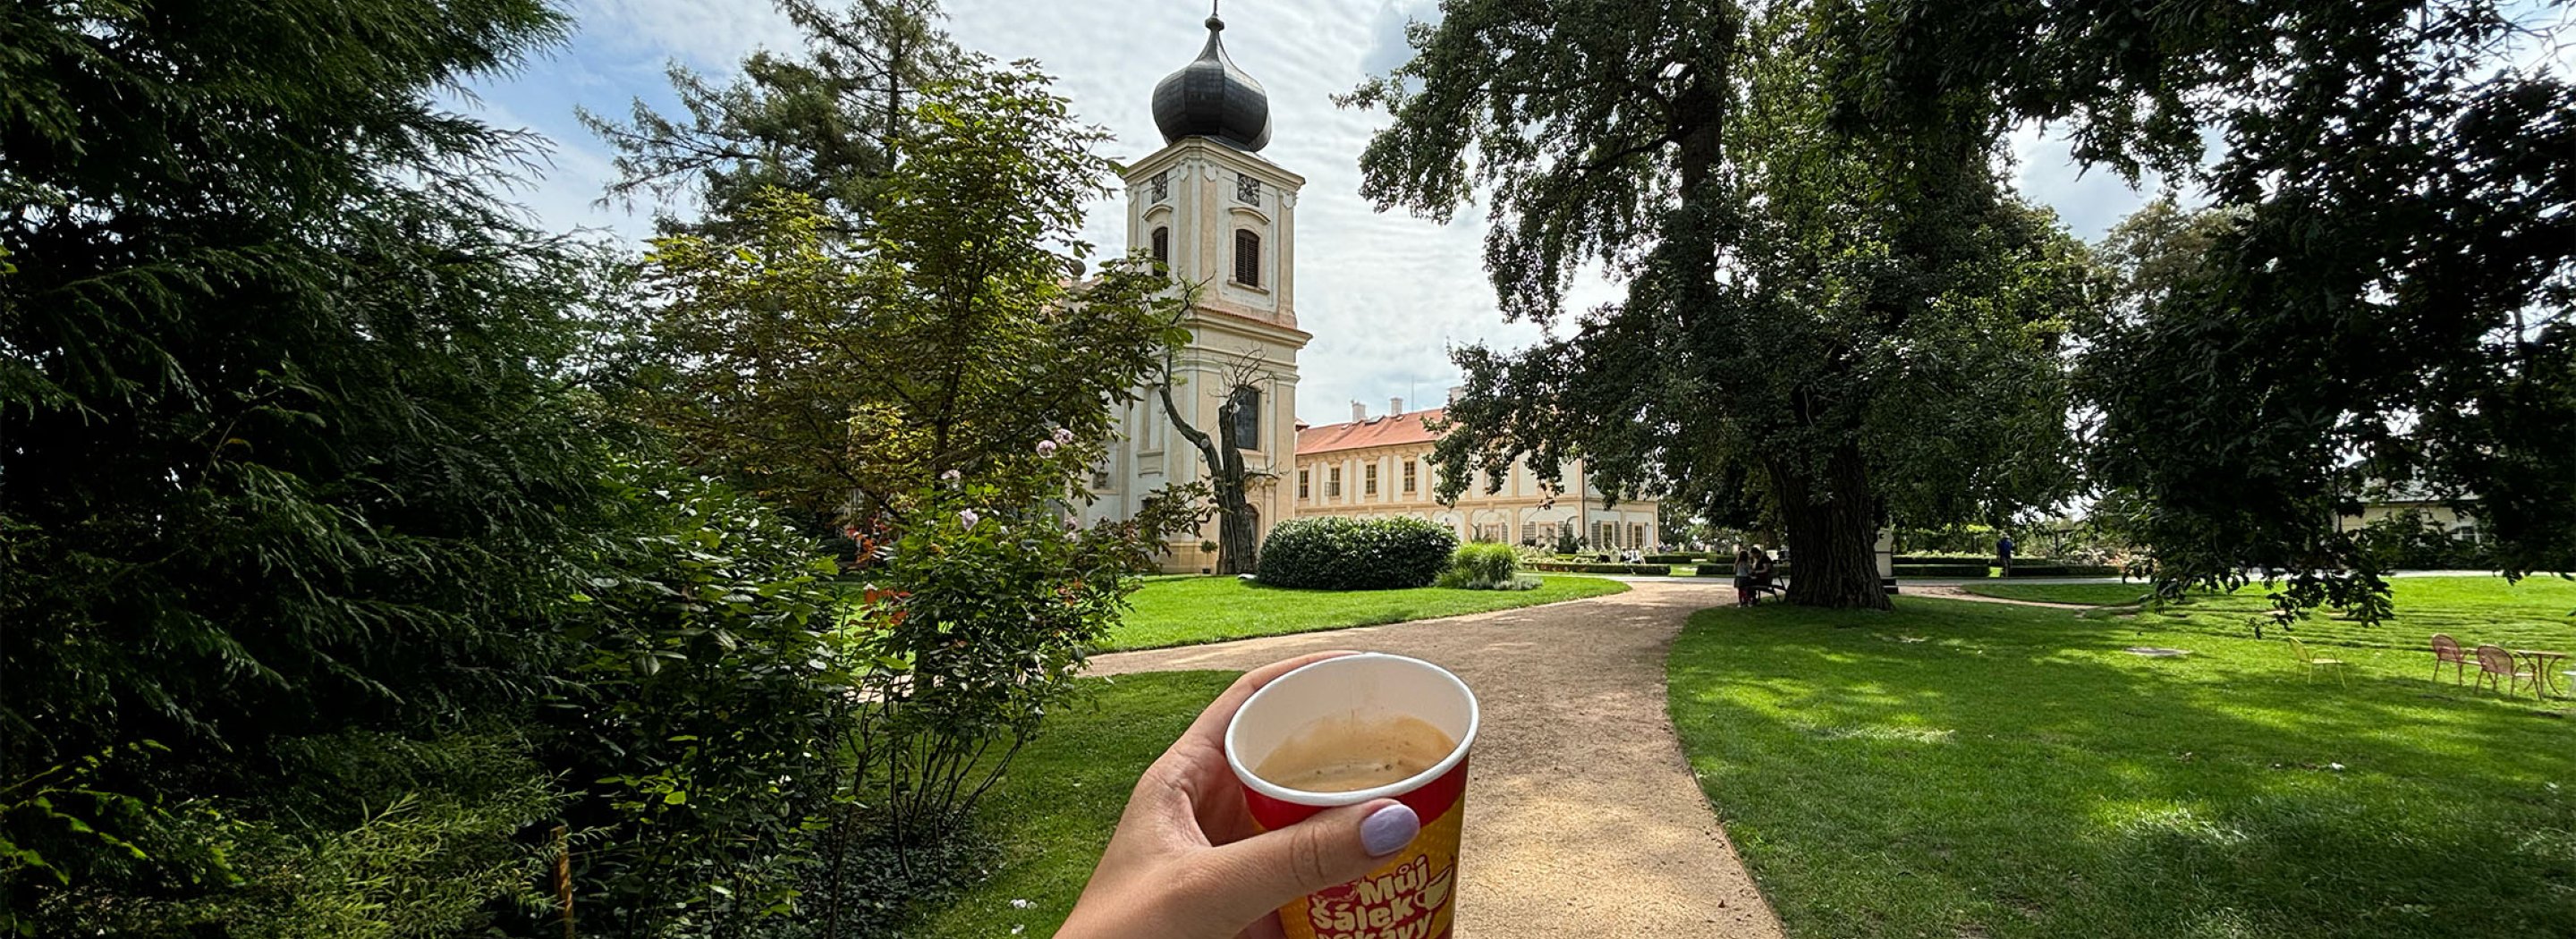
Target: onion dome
{"x": 1212, "y": 98}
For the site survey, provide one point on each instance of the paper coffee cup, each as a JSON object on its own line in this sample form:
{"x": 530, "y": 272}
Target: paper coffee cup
{"x": 1413, "y": 895}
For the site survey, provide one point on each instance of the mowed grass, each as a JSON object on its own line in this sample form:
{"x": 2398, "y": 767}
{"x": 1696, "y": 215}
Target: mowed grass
{"x": 1192, "y": 610}
{"x": 1052, "y": 815}
{"x": 1961, "y": 769}
{"x": 2532, "y": 614}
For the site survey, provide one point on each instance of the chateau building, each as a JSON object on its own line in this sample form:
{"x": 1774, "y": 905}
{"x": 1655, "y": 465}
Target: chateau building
{"x": 1380, "y": 466}
{"x": 1224, "y": 220}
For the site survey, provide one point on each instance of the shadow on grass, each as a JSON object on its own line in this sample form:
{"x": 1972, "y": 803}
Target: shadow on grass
{"x": 1966, "y": 769}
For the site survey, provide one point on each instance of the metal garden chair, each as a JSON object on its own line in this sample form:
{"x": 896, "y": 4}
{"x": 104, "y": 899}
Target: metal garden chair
{"x": 2315, "y": 664}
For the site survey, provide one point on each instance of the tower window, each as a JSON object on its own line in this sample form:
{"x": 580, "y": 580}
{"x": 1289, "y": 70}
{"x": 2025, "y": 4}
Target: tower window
{"x": 1162, "y": 185}
{"x": 1368, "y": 480}
{"x": 1247, "y": 190}
{"x": 1408, "y": 477}
{"x": 1162, "y": 240}
{"x": 1247, "y": 258}
{"x": 1246, "y": 429}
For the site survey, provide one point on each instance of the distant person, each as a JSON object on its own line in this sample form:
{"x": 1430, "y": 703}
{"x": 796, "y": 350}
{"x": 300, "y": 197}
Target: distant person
{"x": 1762, "y": 569}
{"x": 2003, "y": 554}
{"x": 1743, "y": 576}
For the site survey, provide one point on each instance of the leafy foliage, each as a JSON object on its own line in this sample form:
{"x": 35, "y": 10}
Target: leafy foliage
{"x": 1825, "y": 325}
{"x": 1334, "y": 553}
{"x": 2383, "y": 292}
{"x": 826, "y": 125}
{"x": 1484, "y": 566}
{"x": 945, "y": 336}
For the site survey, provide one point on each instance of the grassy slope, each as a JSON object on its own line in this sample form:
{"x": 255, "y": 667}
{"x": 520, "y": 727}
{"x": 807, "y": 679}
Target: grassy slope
{"x": 1213, "y": 609}
{"x": 1957, "y": 769}
{"x": 1055, "y": 811}
{"x": 2531, "y": 614}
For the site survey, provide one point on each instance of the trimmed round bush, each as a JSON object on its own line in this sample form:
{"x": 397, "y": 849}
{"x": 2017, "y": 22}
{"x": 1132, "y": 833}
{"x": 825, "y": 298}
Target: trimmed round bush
{"x": 1355, "y": 553}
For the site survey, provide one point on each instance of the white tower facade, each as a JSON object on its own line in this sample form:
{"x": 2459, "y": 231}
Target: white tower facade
{"x": 1224, "y": 222}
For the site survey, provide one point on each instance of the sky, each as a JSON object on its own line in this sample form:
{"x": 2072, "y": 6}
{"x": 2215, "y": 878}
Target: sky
{"x": 1386, "y": 295}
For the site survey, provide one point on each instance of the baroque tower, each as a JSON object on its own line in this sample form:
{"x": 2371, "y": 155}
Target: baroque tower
{"x": 1223, "y": 219}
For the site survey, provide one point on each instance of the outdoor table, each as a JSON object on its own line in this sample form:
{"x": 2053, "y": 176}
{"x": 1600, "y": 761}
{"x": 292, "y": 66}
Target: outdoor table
{"x": 2544, "y": 675}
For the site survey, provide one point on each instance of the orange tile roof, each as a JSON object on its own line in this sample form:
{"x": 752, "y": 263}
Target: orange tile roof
{"x": 1375, "y": 432}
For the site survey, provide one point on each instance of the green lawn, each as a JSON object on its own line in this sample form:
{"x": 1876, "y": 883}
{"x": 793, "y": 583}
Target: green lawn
{"x": 1054, "y": 812}
{"x": 2533, "y": 614}
{"x": 1192, "y": 610}
{"x": 1957, "y": 769}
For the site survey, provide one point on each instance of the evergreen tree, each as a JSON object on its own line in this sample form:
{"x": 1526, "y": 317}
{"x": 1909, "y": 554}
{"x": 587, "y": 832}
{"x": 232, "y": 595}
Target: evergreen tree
{"x": 284, "y": 454}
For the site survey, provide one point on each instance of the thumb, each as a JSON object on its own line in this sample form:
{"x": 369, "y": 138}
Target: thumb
{"x": 1262, "y": 873}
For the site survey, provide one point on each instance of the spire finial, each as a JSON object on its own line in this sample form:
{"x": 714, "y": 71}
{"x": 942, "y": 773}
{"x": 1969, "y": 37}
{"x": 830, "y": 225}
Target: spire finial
{"x": 1214, "y": 24}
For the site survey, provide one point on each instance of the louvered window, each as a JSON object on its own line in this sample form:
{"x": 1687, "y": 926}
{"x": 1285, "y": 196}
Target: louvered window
{"x": 1247, "y": 258}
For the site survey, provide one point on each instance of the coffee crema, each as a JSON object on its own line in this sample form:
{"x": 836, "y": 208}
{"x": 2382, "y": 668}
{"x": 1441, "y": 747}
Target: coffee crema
{"x": 1350, "y": 752}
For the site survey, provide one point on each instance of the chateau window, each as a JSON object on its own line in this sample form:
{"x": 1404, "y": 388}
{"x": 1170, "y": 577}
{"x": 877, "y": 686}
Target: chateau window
{"x": 1636, "y": 536}
{"x": 1247, "y": 418}
{"x": 1408, "y": 477}
{"x": 1368, "y": 480}
{"x": 1247, "y": 258}
{"x": 1301, "y": 482}
{"x": 1163, "y": 245}
{"x": 1247, "y": 190}
{"x": 1162, "y": 185}
{"x": 1333, "y": 483}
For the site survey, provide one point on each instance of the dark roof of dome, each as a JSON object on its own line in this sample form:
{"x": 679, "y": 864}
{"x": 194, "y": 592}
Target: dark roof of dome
{"x": 1212, "y": 98}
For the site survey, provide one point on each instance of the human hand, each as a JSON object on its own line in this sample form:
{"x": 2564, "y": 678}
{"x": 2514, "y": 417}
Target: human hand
{"x": 1187, "y": 861}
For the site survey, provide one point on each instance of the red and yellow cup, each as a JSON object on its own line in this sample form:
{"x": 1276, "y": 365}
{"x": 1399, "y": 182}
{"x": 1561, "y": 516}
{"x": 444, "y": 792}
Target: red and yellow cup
{"x": 1412, "y": 895}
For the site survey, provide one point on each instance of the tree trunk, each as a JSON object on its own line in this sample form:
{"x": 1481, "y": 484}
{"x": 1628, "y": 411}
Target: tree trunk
{"x": 1833, "y": 542}
{"x": 1238, "y": 544}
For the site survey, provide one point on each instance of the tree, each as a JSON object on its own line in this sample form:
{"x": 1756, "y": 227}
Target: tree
{"x": 832, "y": 374}
{"x": 825, "y": 125}
{"x": 289, "y": 470}
{"x": 1853, "y": 325}
{"x": 2389, "y": 296}
{"x": 1230, "y": 481}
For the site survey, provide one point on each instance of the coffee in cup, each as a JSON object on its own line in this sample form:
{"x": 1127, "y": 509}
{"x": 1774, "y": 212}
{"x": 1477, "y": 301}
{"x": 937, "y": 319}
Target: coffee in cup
{"x": 1348, "y": 730}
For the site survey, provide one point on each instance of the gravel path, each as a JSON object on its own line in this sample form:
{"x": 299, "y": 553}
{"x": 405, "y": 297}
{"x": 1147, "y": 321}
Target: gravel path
{"x": 1582, "y": 817}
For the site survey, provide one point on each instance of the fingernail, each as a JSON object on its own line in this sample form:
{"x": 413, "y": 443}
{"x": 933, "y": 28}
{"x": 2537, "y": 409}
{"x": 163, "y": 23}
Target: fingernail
{"x": 1389, "y": 829}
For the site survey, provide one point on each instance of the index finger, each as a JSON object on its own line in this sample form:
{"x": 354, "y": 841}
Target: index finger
{"x": 1210, "y": 726}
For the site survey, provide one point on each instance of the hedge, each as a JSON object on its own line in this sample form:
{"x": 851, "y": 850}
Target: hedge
{"x": 1940, "y": 570}
{"x": 1639, "y": 570}
{"x": 1355, "y": 553}
{"x": 1674, "y": 558}
{"x": 1943, "y": 560}
{"x": 2054, "y": 569}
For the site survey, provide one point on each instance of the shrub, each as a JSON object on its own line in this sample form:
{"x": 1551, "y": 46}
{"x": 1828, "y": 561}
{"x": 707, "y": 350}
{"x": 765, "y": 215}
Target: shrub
{"x": 1674, "y": 558}
{"x": 1940, "y": 570}
{"x": 2038, "y": 569}
{"x": 1581, "y": 567}
{"x": 1483, "y": 567}
{"x": 1355, "y": 554}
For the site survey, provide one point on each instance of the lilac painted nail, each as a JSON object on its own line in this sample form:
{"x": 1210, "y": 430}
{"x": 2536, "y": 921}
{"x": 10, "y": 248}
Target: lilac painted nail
{"x": 1389, "y": 829}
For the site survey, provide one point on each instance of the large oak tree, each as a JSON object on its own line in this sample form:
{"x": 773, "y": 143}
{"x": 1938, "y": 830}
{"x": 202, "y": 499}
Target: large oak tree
{"x": 1832, "y": 325}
